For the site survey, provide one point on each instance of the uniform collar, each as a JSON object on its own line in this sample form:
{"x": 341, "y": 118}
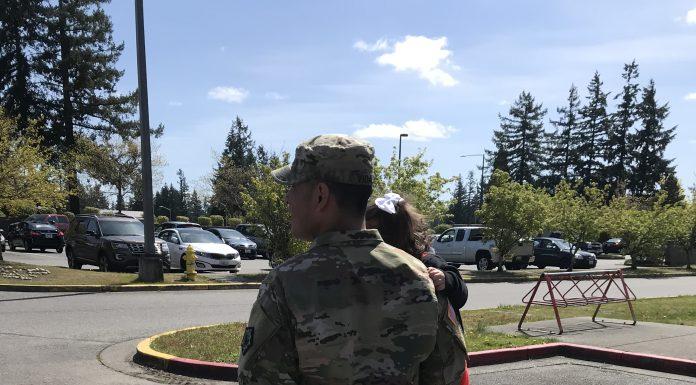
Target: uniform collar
{"x": 352, "y": 237}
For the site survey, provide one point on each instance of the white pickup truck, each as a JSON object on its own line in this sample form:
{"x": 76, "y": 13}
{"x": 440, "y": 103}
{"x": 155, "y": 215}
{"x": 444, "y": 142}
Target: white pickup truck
{"x": 464, "y": 245}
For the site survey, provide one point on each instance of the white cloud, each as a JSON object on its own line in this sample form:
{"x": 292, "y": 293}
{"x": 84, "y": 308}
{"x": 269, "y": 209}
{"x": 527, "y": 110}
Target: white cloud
{"x": 418, "y": 130}
{"x": 503, "y": 102}
{"x": 174, "y": 103}
{"x": 275, "y": 96}
{"x": 228, "y": 94}
{"x": 422, "y": 55}
{"x": 691, "y": 16}
{"x": 690, "y": 96}
{"x": 379, "y": 45}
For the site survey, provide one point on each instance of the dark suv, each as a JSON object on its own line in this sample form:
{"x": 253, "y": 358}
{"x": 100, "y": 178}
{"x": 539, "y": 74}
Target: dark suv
{"x": 30, "y": 235}
{"x": 113, "y": 243}
{"x": 258, "y": 234}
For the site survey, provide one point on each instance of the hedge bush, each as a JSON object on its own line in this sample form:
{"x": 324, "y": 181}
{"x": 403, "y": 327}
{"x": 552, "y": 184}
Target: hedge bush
{"x": 217, "y": 220}
{"x": 182, "y": 218}
{"x": 205, "y": 221}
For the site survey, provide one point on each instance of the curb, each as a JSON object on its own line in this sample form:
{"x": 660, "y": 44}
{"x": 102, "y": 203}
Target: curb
{"x": 218, "y": 371}
{"x": 147, "y": 356}
{"x": 128, "y": 288}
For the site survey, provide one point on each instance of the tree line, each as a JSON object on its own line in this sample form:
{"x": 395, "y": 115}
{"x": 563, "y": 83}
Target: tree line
{"x": 622, "y": 150}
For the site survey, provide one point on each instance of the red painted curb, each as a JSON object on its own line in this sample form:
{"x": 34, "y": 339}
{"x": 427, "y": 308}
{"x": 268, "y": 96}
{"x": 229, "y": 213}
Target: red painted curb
{"x": 222, "y": 371}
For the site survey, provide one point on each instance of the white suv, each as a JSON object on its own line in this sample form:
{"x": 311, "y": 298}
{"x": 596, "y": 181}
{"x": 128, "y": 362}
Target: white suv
{"x": 464, "y": 245}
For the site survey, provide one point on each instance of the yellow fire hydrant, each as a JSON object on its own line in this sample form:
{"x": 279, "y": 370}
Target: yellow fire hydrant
{"x": 190, "y": 258}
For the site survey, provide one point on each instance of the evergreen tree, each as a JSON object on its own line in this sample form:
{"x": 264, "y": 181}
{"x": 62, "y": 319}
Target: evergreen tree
{"x": 473, "y": 198}
{"x": 21, "y": 28}
{"x": 234, "y": 172}
{"x": 460, "y": 200}
{"x": 522, "y": 132}
{"x": 77, "y": 66}
{"x": 135, "y": 203}
{"x": 649, "y": 144}
{"x": 91, "y": 195}
{"x": 592, "y": 136}
{"x": 670, "y": 186}
{"x": 618, "y": 150}
{"x": 239, "y": 147}
{"x": 195, "y": 206}
{"x": 561, "y": 145}
{"x": 183, "y": 203}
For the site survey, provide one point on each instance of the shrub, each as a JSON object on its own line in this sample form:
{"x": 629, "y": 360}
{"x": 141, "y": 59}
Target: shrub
{"x": 233, "y": 221}
{"x": 217, "y": 220}
{"x": 441, "y": 228}
{"x": 90, "y": 210}
{"x": 70, "y": 215}
{"x": 182, "y": 218}
{"x": 205, "y": 221}
{"x": 161, "y": 219}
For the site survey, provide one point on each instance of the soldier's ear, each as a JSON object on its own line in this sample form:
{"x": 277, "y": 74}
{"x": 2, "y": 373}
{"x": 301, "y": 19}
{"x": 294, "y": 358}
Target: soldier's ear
{"x": 323, "y": 192}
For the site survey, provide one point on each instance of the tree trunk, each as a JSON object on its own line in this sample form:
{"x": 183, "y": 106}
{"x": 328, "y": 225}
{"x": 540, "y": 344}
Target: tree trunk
{"x": 67, "y": 113}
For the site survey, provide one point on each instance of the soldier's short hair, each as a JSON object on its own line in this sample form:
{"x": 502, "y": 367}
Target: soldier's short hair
{"x": 350, "y": 198}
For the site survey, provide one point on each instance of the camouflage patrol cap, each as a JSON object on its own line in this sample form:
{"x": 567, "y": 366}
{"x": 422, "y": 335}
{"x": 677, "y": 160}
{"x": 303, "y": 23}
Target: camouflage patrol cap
{"x": 331, "y": 158}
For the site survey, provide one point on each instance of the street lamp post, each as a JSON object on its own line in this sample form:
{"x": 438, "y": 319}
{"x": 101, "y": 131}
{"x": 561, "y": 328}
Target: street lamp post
{"x": 149, "y": 265}
{"x": 401, "y": 136}
{"x": 170, "y": 212}
{"x": 483, "y": 165}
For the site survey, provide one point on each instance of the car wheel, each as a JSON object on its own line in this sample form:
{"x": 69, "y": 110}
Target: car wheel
{"x": 59, "y": 250}
{"x": 234, "y": 271}
{"x": 541, "y": 266}
{"x": 71, "y": 260}
{"x": 103, "y": 263}
{"x": 182, "y": 264}
{"x": 43, "y": 249}
{"x": 12, "y": 247}
{"x": 27, "y": 246}
{"x": 524, "y": 266}
{"x": 483, "y": 262}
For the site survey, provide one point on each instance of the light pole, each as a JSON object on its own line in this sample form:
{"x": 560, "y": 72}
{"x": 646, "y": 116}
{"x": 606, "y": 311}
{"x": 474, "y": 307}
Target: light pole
{"x": 170, "y": 211}
{"x": 401, "y": 136}
{"x": 149, "y": 265}
{"x": 483, "y": 165}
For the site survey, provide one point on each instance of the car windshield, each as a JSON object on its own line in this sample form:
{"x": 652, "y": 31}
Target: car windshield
{"x": 614, "y": 240}
{"x": 229, "y": 233}
{"x": 122, "y": 228}
{"x": 564, "y": 245}
{"x": 198, "y": 236}
{"x": 60, "y": 219}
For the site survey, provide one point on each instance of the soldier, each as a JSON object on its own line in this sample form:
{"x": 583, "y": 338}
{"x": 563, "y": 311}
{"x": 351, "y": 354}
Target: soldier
{"x": 352, "y": 309}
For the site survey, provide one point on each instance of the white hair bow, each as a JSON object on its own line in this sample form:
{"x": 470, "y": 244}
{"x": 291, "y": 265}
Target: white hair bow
{"x": 388, "y": 202}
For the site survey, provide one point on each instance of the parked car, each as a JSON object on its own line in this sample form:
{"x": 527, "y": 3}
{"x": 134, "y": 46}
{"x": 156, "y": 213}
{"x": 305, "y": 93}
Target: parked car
{"x": 113, "y": 243}
{"x": 3, "y": 241}
{"x": 174, "y": 225}
{"x": 211, "y": 252}
{"x": 557, "y": 252}
{"x": 465, "y": 245}
{"x": 58, "y": 220}
{"x": 243, "y": 245}
{"x": 258, "y": 234}
{"x": 613, "y": 245}
{"x": 592, "y": 247}
{"x": 32, "y": 235}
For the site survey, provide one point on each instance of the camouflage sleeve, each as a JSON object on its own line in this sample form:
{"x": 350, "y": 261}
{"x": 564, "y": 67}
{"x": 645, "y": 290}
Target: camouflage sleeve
{"x": 268, "y": 352}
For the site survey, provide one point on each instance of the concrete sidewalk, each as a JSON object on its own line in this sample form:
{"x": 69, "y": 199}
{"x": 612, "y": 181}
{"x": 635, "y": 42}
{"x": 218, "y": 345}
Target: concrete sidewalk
{"x": 645, "y": 337}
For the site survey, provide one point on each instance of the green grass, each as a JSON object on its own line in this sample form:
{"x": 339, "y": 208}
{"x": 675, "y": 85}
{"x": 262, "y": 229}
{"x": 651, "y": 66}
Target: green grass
{"x": 65, "y": 276}
{"x": 220, "y": 343}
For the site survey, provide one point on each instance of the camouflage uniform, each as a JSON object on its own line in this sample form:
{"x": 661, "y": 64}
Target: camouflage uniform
{"x": 351, "y": 310}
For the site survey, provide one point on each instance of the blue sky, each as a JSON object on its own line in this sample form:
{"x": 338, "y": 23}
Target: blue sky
{"x": 440, "y": 70}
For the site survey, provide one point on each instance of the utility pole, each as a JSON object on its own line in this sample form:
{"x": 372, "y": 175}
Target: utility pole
{"x": 149, "y": 265}
{"x": 401, "y": 136}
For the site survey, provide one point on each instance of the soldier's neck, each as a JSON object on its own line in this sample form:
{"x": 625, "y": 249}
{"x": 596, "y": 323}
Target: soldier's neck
{"x": 343, "y": 223}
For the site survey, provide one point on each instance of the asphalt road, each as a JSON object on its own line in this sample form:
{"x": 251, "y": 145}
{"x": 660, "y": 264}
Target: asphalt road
{"x": 61, "y": 338}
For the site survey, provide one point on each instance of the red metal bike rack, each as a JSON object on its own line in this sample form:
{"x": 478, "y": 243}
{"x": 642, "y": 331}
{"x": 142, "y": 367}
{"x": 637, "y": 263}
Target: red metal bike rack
{"x": 580, "y": 289}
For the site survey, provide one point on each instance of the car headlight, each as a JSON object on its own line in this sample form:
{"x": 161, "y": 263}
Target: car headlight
{"x": 199, "y": 253}
{"x": 119, "y": 245}
{"x": 164, "y": 247}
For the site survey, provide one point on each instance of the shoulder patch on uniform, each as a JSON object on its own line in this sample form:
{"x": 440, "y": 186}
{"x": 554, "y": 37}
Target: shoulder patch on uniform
{"x": 248, "y": 339}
